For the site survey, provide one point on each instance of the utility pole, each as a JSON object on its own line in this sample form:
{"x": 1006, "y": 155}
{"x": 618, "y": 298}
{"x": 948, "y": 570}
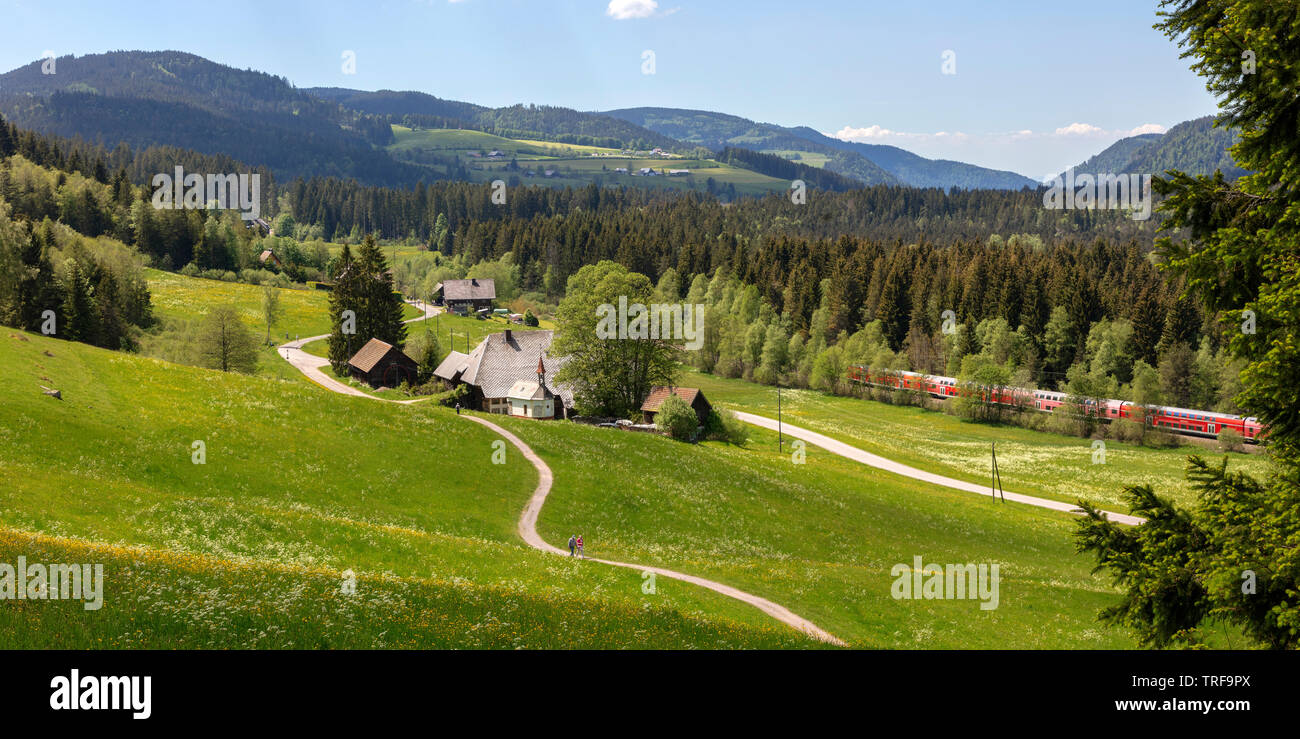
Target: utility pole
{"x": 780, "y": 440}
{"x": 996, "y": 480}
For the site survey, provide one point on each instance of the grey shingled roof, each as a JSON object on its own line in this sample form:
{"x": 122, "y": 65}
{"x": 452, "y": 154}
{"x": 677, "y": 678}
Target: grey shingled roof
{"x": 454, "y": 364}
{"x": 478, "y": 288}
{"x": 496, "y": 365}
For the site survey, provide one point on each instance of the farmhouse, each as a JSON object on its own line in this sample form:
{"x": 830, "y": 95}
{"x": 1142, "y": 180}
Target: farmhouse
{"x": 380, "y": 364}
{"x": 507, "y": 372}
{"x": 694, "y": 397}
{"x": 465, "y": 296}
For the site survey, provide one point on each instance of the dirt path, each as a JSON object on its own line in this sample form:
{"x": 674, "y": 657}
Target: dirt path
{"x": 889, "y": 465}
{"x": 310, "y": 365}
{"x": 528, "y": 532}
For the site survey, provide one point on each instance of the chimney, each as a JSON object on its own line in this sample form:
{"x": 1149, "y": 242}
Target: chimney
{"x": 509, "y": 336}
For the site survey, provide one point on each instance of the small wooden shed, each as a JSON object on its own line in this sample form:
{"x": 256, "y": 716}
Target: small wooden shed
{"x": 380, "y": 364}
{"x": 694, "y": 397}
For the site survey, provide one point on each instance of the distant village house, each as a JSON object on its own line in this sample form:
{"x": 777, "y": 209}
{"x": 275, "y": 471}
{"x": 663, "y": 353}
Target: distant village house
{"x": 465, "y": 296}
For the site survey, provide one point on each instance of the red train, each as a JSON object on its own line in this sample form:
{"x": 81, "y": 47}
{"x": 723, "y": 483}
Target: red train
{"x": 1174, "y": 420}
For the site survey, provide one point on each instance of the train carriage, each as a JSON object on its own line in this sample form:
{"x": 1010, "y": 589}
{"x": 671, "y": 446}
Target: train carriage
{"x": 1184, "y": 421}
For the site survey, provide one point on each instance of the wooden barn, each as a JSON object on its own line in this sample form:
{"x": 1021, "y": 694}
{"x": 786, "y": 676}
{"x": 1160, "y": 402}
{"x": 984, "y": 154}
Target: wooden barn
{"x": 694, "y": 397}
{"x": 380, "y": 364}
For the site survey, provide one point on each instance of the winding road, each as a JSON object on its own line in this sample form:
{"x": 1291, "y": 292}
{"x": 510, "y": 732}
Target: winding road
{"x": 889, "y": 465}
{"x": 310, "y": 365}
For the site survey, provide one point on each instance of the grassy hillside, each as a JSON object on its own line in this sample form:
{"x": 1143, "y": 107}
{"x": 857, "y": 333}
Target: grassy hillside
{"x": 305, "y": 312}
{"x": 821, "y": 537}
{"x": 298, "y": 486}
{"x": 1032, "y": 462}
{"x": 572, "y": 165}
{"x": 165, "y": 600}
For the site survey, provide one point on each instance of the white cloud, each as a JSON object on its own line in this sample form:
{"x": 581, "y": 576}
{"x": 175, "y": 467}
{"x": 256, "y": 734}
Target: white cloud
{"x": 1079, "y": 129}
{"x": 625, "y": 9}
{"x": 849, "y": 133}
{"x": 1147, "y": 128}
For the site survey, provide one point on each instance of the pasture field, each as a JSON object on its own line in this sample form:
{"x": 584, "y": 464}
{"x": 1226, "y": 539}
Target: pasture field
{"x": 169, "y": 600}
{"x": 433, "y": 145}
{"x": 821, "y": 537}
{"x": 461, "y": 142}
{"x": 811, "y": 158}
{"x": 583, "y": 170}
{"x": 1033, "y": 462}
{"x": 304, "y": 312}
{"x": 298, "y": 486}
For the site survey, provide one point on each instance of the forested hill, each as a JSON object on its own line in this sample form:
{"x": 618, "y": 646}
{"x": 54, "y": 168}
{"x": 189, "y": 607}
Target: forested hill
{"x": 1114, "y": 159}
{"x": 1195, "y": 147}
{"x": 544, "y": 122}
{"x": 171, "y": 98}
{"x": 394, "y": 103}
{"x": 869, "y": 163}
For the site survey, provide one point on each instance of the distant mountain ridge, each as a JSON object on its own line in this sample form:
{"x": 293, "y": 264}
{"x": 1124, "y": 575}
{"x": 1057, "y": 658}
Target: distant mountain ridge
{"x": 172, "y": 98}
{"x": 1195, "y": 147}
{"x": 550, "y": 122}
{"x": 869, "y": 163}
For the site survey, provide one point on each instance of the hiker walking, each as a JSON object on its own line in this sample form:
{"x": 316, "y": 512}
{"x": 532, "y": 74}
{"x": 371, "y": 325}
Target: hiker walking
{"x": 458, "y": 409}
{"x": 572, "y": 543}
{"x": 580, "y": 554}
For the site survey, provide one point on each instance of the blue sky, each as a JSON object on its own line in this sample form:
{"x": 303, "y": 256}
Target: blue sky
{"x": 1038, "y": 85}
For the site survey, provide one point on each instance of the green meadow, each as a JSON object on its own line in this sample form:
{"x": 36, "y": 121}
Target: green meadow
{"x": 1032, "y": 462}
{"x": 574, "y": 163}
{"x": 821, "y": 537}
{"x": 297, "y": 486}
{"x": 304, "y": 312}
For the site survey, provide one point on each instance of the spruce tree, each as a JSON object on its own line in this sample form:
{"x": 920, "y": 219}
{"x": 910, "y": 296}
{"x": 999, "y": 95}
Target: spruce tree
{"x": 342, "y": 343}
{"x": 380, "y": 313}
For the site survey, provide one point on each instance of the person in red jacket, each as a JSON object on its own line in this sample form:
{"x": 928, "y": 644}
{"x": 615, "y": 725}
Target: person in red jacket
{"x": 580, "y": 554}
